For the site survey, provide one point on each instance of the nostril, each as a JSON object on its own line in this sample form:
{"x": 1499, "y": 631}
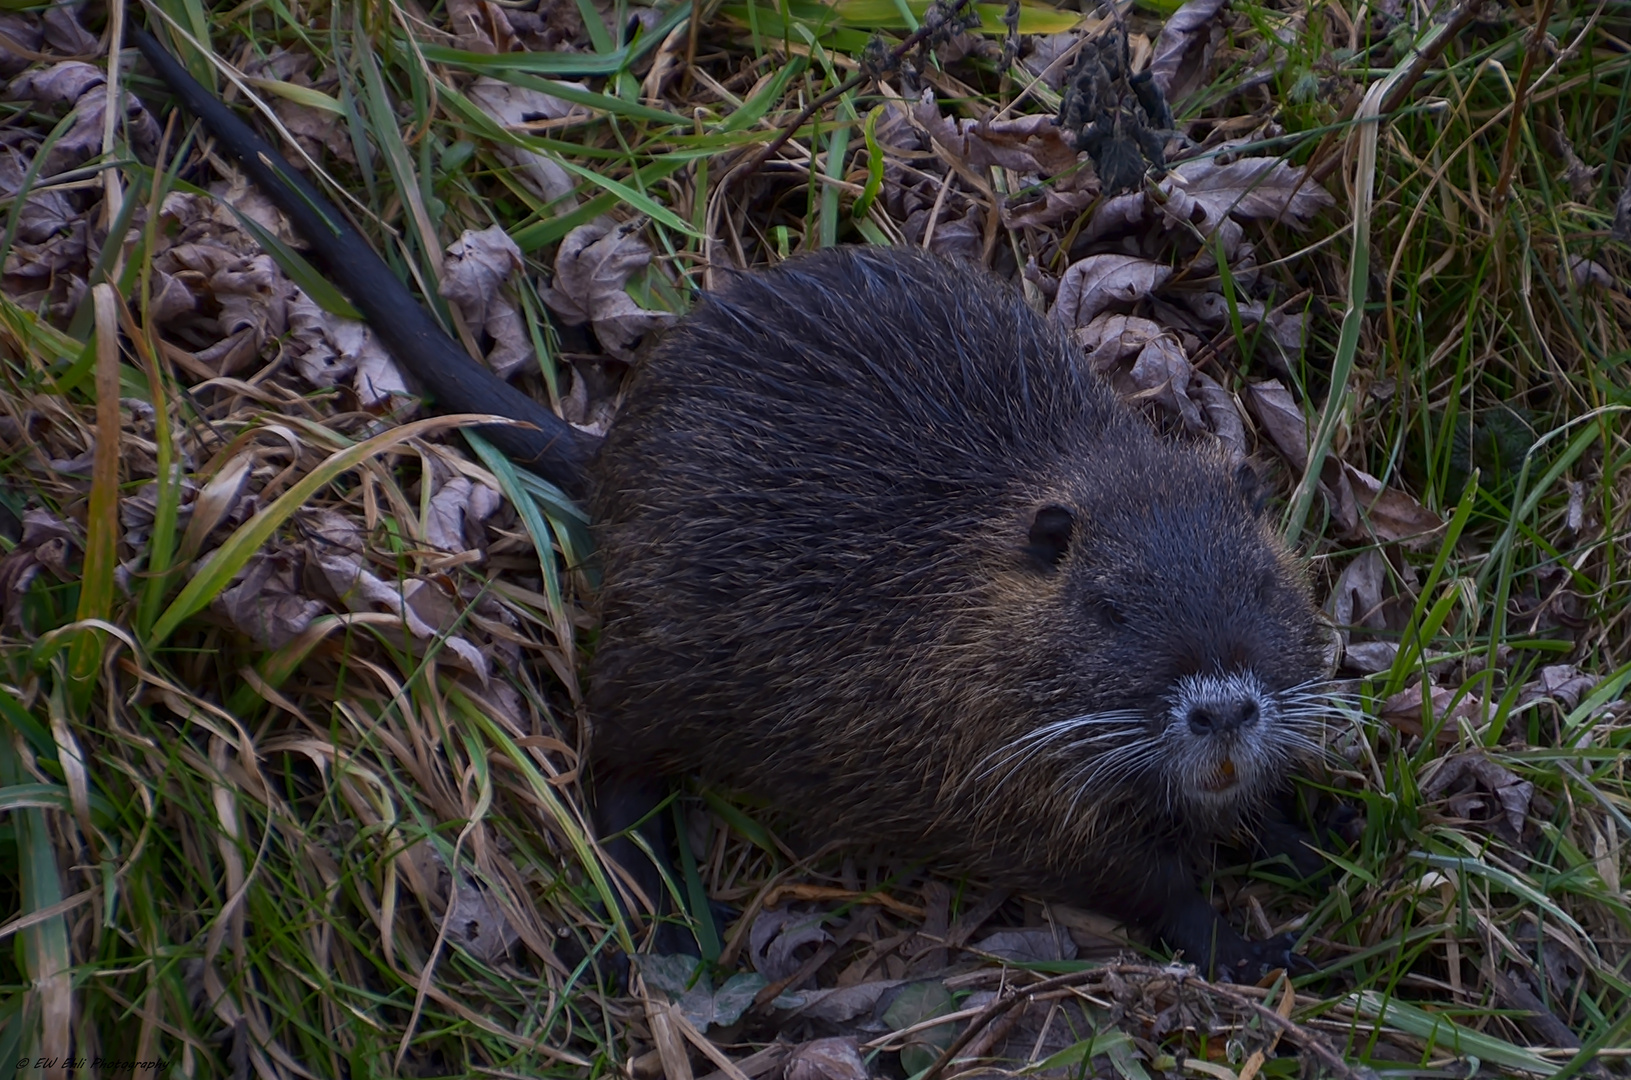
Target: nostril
{"x": 1216, "y": 719}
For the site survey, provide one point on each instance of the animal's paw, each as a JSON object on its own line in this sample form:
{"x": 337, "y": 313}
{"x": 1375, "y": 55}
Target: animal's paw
{"x": 1243, "y": 961}
{"x": 1341, "y": 827}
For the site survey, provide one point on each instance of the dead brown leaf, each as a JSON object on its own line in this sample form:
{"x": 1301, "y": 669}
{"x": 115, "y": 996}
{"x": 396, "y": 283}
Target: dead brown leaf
{"x": 1389, "y": 514}
{"x": 481, "y": 26}
{"x": 1029, "y": 945}
{"x": 1481, "y": 791}
{"x": 835, "y": 1058}
{"x": 592, "y": 269}
{"x": 457, "y": 508}
{"x": 1183, "y": 52}
{"x": 1282, "y": 418}
{"x": 475, "y": 277}
{"x": 1562, "y": 683}
{"x": 64, "y": 32}
{"x": 43, "y": 213}
{"x": 1162, "y": 373}
{"x": 1032, "y": 145}
{"x": 81, "y": 87}
{"x": 514, "y": 107}
{"x": 265, "y": 604}
{"x": 1222, "y": 414}
{"x": 777, "y": 937}
{"x": 1404, "y": 710}
{"x": 1098, "y": 281}
{"x": 1203, "y": 192}
{"x": 44, "y": 545}
{"x": 1356, "y": 601}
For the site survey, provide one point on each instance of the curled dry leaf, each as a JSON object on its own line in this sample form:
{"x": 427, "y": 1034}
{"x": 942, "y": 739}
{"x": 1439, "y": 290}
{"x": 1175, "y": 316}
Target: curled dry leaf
{"x": 455, "y": 502}
{"x": 1203, "y": 192}
{"x": 138, "y": 509}
{"x": 58, "y": 86}
{"x": 1045, "y": 205}
{"x": 1183, "y": 52}
{"x": 49, "y": 276}
{"x": 26, "y": 34}
{"x": 64, "y": 32}
{"x": 1096, "y": 282}
{"x": 1356, "y": 598}
{"x": 44, "y": 545}
{"x": 44, "y": 214}
{"x": 955, "y": 236}
{"x": 1279, "y": 414}
{"x": 1389, "y": 514}
{"x": 678, "y": 978}
{"x": 481, "y": 26}
{"x": 248, "y": 292}
{"x": 592, "y": 268}
{"x": 328, "y": 349}
{"x": 1361, "y": 505}
{"x": 1481, "y": 791}
{"x": 1026, "y": 144}
{"x": 1404, "y": 710}
{"x": 312, "y": 346}
{"x": 1621, "y": 229}
{"x": 836, "y": 1058}
{"x": 845, "y": 1006}
{"x": 378, "y": 379}
{"x": 777, "y": 936}
{"x": 335, "y": 554}
{"x": 317, "y": 130}
{"x": 1584, "y": 272}
{"x": 514, "y": 106}
{"x": 1562, "y": 683}
{"x": 83, "y": 87}
{"x": 477, "y": 922}
{"x": 1029, "y": 945}
{"x": 1222, "y": 414}
{"x": 264, "y": 602}
{"x": 1050, "y": 57}
{"x": 1162, "y": 374}
{"x": 478, "y": 268}
{"x": 240, "y": 195}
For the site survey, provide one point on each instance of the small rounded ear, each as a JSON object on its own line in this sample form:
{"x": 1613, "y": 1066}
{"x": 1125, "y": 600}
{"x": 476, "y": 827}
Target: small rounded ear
{"x": 1051, "y": 530}
{"x": 1252, "y": 490}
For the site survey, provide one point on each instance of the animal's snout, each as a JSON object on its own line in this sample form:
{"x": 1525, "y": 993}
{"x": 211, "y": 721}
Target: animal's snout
{"x": 1219, "y": 717}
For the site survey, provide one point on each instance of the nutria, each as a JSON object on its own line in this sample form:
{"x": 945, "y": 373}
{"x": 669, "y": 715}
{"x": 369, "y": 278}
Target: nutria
{"x": 877, "y": 546}
{"x": 880, "y": 549}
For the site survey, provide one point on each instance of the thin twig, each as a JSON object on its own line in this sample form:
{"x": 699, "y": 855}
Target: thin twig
{"x": 1328, "y": 158}
{"x": 1509, "y": 152}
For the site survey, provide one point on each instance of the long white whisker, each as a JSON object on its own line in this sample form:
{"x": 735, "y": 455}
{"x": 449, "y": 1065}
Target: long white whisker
{"x": 1012, "y": 755}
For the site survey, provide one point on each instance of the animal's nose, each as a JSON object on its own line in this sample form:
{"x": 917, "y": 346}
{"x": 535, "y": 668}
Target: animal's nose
{"x": 1219, "y": 717}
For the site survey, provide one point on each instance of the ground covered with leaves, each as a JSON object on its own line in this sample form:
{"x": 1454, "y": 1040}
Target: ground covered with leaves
{"x": 291, "y": 685}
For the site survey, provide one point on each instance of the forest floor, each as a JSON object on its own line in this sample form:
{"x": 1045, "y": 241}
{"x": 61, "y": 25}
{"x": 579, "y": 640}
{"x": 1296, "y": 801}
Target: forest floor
{"x": 293, "y": 712}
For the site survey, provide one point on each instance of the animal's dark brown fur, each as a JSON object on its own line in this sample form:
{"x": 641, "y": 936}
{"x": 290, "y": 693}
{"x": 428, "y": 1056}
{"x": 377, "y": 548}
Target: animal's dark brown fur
{"x": 880, "y": 549}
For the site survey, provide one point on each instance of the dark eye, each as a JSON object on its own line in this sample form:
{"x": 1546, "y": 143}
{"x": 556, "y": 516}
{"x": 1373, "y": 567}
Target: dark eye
{"x": 1108, "y": 613}
{"x": 1050, "y": 535}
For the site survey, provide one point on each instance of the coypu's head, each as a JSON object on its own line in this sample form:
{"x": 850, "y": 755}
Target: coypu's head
{"x": 1182, "y": 652}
